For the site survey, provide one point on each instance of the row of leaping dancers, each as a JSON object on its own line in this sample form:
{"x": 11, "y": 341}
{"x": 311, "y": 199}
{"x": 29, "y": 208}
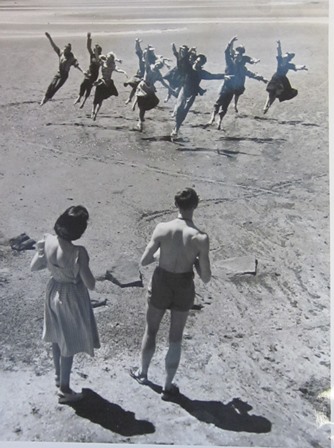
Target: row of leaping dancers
{"x": 182, "y": 81}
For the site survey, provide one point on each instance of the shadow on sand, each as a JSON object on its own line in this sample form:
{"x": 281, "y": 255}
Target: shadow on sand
{"x": 291, "y": 122}
{"x": 233, "y": 416}
{"x": 110, "y": 415}
{"x": 253, "y": 139}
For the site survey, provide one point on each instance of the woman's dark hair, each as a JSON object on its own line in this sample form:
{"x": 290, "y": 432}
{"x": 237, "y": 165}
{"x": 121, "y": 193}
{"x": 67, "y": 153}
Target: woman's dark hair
{"x": 186, "y": 199}
{"x": 72, "y": 223}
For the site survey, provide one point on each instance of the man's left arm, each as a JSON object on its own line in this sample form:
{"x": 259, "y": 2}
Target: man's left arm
{"x": 208, "y": 76}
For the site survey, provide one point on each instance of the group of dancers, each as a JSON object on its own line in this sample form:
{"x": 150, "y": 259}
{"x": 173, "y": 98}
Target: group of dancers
{"x": 181, "y": 81}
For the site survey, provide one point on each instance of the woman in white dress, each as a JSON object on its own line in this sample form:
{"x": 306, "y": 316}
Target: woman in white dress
{"x": 69, "y": 322}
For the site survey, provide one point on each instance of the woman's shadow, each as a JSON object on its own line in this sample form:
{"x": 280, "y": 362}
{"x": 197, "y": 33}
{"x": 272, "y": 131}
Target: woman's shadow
{"x": 110, "y": 415}
{"x": 233, "y": 416}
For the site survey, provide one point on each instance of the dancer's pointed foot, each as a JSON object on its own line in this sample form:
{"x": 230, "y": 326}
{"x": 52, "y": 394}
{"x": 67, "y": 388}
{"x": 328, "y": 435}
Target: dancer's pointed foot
{"x": 77, "y": 100}
{"x": 44, "y": 100}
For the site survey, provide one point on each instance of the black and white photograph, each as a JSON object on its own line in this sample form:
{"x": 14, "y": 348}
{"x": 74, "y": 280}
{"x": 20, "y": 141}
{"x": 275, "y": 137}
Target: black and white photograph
{"x": 165, "y": 223}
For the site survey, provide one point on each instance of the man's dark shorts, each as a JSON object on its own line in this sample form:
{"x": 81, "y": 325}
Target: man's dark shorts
{"x": 168, "y": 290}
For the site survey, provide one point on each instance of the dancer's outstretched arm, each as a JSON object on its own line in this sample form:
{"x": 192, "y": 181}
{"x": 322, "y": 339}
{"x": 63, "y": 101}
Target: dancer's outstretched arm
{"x": 53, "y": 45}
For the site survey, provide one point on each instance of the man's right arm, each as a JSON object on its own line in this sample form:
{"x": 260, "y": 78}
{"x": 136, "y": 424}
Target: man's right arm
{"x": 151, "y": 249}
{"x": 279, "y": 49}
{"x": 229, "y": 50}
{"x": 53, "y": 45}
{"x": 89, "y": 44}
{"x": 202, "y": 263}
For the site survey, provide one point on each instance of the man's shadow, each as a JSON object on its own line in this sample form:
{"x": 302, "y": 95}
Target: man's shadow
{"x": 110, "y": 415}
{"x": 233, "y": 416}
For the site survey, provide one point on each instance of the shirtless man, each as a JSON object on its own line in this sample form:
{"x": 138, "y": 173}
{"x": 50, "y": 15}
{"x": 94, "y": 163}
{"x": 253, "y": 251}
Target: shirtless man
{"x": 178, "y": 246}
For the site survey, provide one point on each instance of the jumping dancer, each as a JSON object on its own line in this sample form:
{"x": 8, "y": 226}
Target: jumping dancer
{"x": 105, "y": 86}
{"x": 279, "y": 86}
{"x": 175, "y": 76}
{"x": 235, "y": 61}
{"x": 242, "y": 72}
{"x": 152, "y": 58}
{"x": 193, "y": 75}
{"x": 66, "y": 60}
{"x": 92, "y": 73}
{"x": 146, "y": 98}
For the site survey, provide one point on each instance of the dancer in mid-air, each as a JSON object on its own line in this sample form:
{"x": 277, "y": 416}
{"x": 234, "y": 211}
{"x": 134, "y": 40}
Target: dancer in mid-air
{"x": 235, "y": 61}
{"x": 145, "y": 96}
{"x": 279, "y": 86}
{"x": 66, "y": 60}
{"x": 152, "y": 58}
{"x": 92, "y": 73}
{"x": 242, "y": 73}
{"x": 192, "y": 76}
{"x": 175, "y": 76}
{"x": 105, "y": 86}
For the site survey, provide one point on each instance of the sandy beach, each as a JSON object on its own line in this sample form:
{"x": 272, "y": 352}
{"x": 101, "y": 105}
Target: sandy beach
{"x": 255, "y": 367}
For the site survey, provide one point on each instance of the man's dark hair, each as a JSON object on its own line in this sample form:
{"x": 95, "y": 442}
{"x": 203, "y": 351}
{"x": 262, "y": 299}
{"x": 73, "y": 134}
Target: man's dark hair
{"x": 186, "y": 199}
{"x": 203, "y": 58}
{"x": 72, "y": 223}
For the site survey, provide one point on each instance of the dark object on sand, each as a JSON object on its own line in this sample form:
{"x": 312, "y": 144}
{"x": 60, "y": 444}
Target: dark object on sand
{"x": 22, "y": 242}
{"x": 125, "y": 273}
{"x": 96, "y": 303}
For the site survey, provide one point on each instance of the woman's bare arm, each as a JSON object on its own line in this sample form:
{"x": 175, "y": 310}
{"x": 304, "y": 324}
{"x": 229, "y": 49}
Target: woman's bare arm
{"x": 85, "y": 272}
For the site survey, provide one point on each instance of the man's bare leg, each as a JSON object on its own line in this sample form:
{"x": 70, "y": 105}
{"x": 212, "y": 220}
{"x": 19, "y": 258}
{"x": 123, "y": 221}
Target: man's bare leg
{"x": 153, "y": 319}
{"x": 177, "y": 324}
{"x": 65, "y": 372}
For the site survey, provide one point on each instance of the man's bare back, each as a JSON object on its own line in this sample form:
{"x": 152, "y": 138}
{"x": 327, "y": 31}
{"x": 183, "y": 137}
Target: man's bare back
{"x": 181, "y": 245}
{"x": 179, "y": 240}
